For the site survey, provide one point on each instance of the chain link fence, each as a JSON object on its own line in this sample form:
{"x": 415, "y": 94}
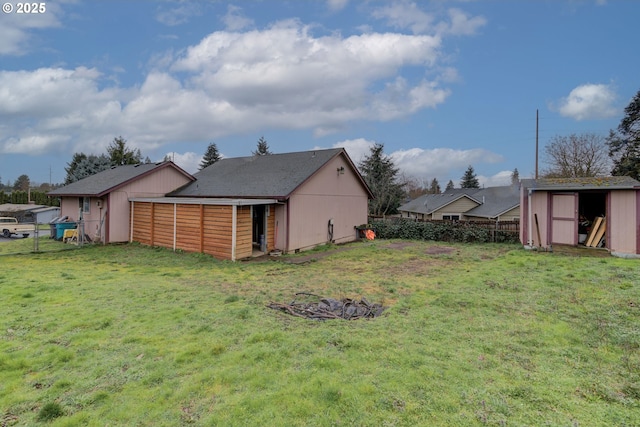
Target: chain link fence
{"x": 51, "y": 237}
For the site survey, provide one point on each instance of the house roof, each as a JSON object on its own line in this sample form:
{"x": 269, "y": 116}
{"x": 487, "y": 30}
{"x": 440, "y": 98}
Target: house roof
{"x": 429, "y": 203}
{"x": 104, "y": 182}
{"x": 273, "y": 176}
{"x": 492, "y": 201}
{"x": 19, "y": 207}
{"x": 592, "y": 183}
{"x": 495, "y": 201}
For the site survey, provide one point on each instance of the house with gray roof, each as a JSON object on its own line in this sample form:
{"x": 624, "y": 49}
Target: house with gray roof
{"x": 492, "y": 203}
{"x": 239, "y": 207}
{"x": 101, "y": 201}
{"x": 563, "y": 211}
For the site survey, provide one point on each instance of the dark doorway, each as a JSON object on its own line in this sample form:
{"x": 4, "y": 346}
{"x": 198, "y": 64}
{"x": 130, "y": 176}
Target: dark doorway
{"x": 590, "y": 206}
{"x": 258, "y": 225}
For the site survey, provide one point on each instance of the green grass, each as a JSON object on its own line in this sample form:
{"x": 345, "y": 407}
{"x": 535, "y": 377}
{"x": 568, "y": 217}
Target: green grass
{"x": 474, "y": 335}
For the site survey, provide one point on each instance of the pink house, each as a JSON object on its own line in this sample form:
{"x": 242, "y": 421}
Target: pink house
{"x": 239, "y": 207}
{"x": 562, "y": 211}
{"x": 102, "y": 200}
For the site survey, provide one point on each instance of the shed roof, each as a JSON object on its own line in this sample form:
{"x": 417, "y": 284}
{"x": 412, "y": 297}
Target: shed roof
{"x": 273, "y": 176}
{"x": 109, "y": 180}
{"x": 589, "y": 183}
{"x": 19, "y": 207}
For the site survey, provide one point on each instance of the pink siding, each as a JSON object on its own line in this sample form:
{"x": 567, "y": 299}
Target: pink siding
{"x": 155, "y": 184}
{"x": 327, "y": 195}
{"x": 622, "y": 219}
{"x": 115, "y": 205}
{"x": 539, "y": 205}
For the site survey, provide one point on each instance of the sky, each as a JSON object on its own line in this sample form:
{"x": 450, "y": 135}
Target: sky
{"x": 443, "y": 84}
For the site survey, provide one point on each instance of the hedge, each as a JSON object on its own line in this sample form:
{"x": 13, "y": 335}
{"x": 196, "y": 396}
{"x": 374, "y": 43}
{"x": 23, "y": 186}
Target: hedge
{"x": 447, "y": 231}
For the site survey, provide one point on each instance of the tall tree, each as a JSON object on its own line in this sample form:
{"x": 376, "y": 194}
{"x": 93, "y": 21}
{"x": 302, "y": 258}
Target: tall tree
{"x": 624, "y": 145}
{"x": 576, "y": 156}
{"x": 263, "y": 148}
{"x": 82, "y": 166}
{"x": 120, "y": 154}
{"x": 515, "y": 177}
{"x": 434, "y": 188}
{"x": 22, "y": 183}
{"x": 210, "y": 156}
{"x": 469, "y": 179}
{"x": 450, "y": 185}
{"x": 380, "y": 174}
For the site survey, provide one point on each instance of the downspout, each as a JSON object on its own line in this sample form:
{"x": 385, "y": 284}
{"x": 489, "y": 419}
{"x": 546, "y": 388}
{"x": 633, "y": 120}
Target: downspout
{"x": 131, "y": 222}
{"x": 234, "y": 222}
{"x": 529, "y": 221}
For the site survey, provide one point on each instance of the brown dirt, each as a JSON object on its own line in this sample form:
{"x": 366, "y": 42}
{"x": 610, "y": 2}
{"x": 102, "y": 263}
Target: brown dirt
{"x": 439, "y": 250}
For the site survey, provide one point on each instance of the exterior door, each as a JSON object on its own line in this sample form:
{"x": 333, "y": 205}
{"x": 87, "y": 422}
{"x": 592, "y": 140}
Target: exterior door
{"x": 564, "y": 218}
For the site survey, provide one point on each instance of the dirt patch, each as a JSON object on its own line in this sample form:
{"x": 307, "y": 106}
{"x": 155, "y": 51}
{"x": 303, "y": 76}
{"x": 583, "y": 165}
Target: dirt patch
{"x": 439, "y": 250}
{"x": 399, "y": 245}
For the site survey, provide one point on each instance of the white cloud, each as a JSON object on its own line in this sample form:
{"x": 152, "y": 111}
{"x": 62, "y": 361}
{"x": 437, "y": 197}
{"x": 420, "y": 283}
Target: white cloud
{"x": 282, "y": 77}
{"x": 179, "y": 14}
{"x": 17, "y": 30}
{"x": 589, "y": 101}
{"x": 408, "y": 15}
{"x": 440, "y": 163}
{"x": 336, "y": 5}
{"x": 188, "y": 161}
{"x": 235, "y": 20}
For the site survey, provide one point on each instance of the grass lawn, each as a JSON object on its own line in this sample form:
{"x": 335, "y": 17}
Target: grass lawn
{"x": 474, "y": 335}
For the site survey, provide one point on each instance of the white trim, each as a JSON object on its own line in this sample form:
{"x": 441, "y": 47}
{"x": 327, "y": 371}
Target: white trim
{"x": 131, "y": 224}
{"x": 204, "y": 201}
{"x": 175, "y": 225}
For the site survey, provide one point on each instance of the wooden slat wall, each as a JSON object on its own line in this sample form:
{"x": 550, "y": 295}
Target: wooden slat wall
{"x": 244, "y": 223}
{"x": 199, "y": 228}
{"x": 141, "y": 223}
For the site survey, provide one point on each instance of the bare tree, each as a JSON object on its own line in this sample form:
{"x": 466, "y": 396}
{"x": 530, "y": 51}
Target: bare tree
{"x": 576, "y": 156}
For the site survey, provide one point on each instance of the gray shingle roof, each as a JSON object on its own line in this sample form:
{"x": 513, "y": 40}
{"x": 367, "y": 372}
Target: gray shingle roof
{"x": 106, "y": 181}
{"x": 493, "y": 201}
{"x": 594, "y": 183}
{"x": 272, "y": 176}
{"x": 429, "y": 203}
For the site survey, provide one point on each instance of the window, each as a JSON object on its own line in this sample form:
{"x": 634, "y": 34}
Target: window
{"x": 451, "y": 217}
{"x": 84, "y": 203}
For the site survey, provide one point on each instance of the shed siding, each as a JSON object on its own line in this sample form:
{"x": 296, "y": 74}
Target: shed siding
{"x": 623, "y": 216}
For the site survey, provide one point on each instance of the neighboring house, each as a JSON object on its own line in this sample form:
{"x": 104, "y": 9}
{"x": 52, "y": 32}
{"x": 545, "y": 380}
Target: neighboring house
{"x": 39, "y": 214}
{"x": 238, "y": 207}
{"x": 493, "y": 203}
{"x": 102, "y": 200}
{"x": 553, "y": 210}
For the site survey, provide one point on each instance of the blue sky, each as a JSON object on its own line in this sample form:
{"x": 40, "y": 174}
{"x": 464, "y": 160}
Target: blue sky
{"x": 442, "y": 84}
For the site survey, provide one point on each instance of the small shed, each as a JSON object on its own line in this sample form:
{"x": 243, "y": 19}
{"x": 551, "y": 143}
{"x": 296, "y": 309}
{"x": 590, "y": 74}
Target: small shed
{"x": 244, "y": 206}
{"x": 563, "y": 211}
{"x": 101, "y": 201}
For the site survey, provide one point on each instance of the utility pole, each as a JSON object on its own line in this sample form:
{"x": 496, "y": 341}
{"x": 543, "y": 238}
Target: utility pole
{"x": 536, "y": 143}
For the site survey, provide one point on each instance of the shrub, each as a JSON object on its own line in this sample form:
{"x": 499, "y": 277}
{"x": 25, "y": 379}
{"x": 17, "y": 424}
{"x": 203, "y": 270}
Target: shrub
{"x": 447, "y": 231}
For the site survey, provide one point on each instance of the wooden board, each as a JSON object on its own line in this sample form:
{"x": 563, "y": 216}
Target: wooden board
{"x": 594, "y": 230}
{"x": 599, "y": 234}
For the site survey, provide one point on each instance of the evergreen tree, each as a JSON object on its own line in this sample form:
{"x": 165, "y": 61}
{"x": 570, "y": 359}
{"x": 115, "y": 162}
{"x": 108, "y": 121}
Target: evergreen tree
{"x": 120, "y": 154}
{"x": 450, "y": 185}
{"x": 380, "y": 174}
{"x": 210, "y": 156}
{"x": 263, "y": 148}
{"x": 624, "y": 146}
{"x": 22, "y": 183}
{"x": 83, "y": 166}
{"x": 434, "y": 188}
{"x": 469, "y": 179}
{"x": 515, "y": 177}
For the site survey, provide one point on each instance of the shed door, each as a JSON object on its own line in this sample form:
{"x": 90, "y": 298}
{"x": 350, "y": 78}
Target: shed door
{"x": 564, "y": 218}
